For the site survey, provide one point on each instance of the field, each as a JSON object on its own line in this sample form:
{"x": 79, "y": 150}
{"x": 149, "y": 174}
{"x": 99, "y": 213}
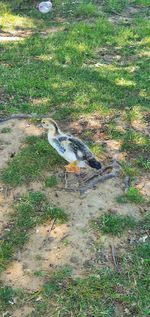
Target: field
{"x": 86, "y": 65}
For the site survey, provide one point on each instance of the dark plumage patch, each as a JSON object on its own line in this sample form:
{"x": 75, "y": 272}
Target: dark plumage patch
{"x": 95, "y": 164}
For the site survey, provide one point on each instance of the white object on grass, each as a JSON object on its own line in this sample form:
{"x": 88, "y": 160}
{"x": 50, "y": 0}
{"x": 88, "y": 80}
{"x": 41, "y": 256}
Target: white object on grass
{"x": 45, "y": 6}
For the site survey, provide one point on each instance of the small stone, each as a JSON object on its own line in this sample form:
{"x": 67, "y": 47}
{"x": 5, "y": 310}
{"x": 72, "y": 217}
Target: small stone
{"x": 38, "y": 299}
{"x": 143, "y": 239}
{"x": 112, "y": 210}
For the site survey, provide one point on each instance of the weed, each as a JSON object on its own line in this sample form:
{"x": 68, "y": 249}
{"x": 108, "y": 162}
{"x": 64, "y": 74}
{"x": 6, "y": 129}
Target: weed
{"x": 31, "y": 210}
{"x": 143, "y": 162}
{"x": 132, "y": 195}
{"x": 6, "y": 296}
{"x": 135, "y": 142}
{"x": 86, "y": 10}
{"x": 30, "y": 162}
{"x": 50, "y": 181}
{"x": 114, "y": 224}
{"x": 129, "y": 170}
{"x": 5, "y": 130}
{"x": 145, "y": 222}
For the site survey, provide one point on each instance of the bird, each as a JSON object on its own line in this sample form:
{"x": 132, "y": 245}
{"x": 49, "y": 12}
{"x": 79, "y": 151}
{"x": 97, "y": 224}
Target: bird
{"x": 44, "y": 6}
{"x": 72, "y": 149}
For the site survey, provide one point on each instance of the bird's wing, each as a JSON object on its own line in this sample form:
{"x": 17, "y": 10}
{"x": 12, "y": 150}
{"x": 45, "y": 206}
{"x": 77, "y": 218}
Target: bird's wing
{"x": 59, "y": 145}
{"x": 80, "y": 149}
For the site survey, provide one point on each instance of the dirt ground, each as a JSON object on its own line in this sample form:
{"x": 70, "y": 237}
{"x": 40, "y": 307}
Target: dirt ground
{"x": 72, "y": 243}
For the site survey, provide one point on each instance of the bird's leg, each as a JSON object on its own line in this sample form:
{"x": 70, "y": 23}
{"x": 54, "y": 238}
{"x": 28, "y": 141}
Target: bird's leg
{"x": 73, "y": 168}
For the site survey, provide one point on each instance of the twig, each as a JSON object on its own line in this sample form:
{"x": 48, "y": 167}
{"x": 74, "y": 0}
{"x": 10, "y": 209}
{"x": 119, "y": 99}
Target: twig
{"x": 114, "y": 257}
{"x": 117, "y": 13}
{"x": 19, "y": 116}
{"x": 127, "y": 183}
{"x": 24, "y": 116}
{"x": 100, "y": 179}
{"x": 45, "y": 241}
{"x": 52, "y": 225}
{"x": 66, "y": 184}
{"x": 92, "y": 183}
{"x": 64, "y": 237}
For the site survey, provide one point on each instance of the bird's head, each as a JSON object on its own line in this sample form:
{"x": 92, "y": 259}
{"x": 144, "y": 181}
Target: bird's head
{"x": 50, "y": 125}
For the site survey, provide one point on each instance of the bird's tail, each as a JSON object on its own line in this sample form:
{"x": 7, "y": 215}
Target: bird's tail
{"x": 94, "y": 164}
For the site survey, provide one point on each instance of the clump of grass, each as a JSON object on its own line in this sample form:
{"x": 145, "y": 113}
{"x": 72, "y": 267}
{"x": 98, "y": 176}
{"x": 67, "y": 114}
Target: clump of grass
{"x": 143, "y": 162}
{"x": 96, "y": 149}
{"x": 50, "y": 181}
{"x": 79, "y": 297}
{"x": 134, "y": 141}
{"x": 133, "y": 195}
{"x": 115, "y": 5}
{"x": 114, "y": 132}
{"x": 10, "y": 296}
{"x": 6, "y": 296}
{"x": 145, "y": 222}
{"x": 133, "y": 114}
{"x": 30, "y": 162}
{"x": 114, "y": 224}
{"x": 86, "y": 10}
{"x": 5, "y": 130}
{"x": 31, "y": 210}
{"x": 99, "y": 293}
{"x": 129, "y": 170}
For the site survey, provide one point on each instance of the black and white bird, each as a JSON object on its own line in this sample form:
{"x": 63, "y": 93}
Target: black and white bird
{"x": 72, "y": 149}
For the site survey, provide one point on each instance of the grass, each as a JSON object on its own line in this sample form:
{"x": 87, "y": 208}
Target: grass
{"x": 5, "y": 130}
{"x": 30, "y": 162}
{"x": 50, "y": 181}
{"x": 145, "y": 223}
{"x": 135, "y": 142}
{"x": 143, "y": 163}
{"x": 112, "y": 6}
{"x": 133, "y": 195}
{"x": 86, "y": 65}
{"x": 129, "y": 170}
{"x": 31, "y": 210}
{"x": 114, "y": 224}
{"x": 98, "y": 294}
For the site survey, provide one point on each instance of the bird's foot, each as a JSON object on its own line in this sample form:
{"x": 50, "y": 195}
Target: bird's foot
{"x": 73, "y": 168}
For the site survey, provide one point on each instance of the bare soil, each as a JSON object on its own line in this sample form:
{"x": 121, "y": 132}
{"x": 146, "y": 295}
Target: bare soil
{"x": 72, "y": 243}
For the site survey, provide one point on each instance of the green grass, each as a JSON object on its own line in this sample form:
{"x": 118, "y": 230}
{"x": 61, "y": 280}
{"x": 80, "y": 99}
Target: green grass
{"x": 5, "y": 130}
{"x": 115, "y": 5}
{"x": 129, "y": 170}
{"x": 86, "y": 10}
{"x": 50, "y": 181}
{"x": 136, "y": 142}
{"x": 30, "y": 162}
{"x": 114, "y": 224}
{"x": 31, "y": 210}
{"x": 143, "y": 163}
{"x": 133, "y": 195}
{"x": 78, "y": 297}
{"x": 87, "y": 66}
{"x": 145, "y": 222}
{"x": 10, "y": 297}
{"x": 6, "y": 296}
{"x": 99, "y": 293}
